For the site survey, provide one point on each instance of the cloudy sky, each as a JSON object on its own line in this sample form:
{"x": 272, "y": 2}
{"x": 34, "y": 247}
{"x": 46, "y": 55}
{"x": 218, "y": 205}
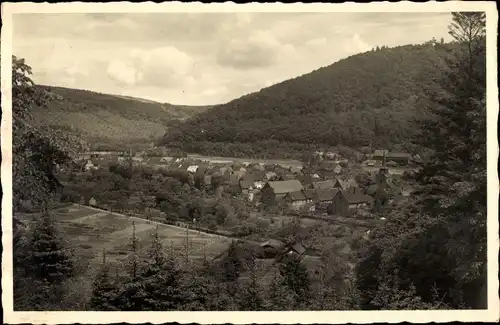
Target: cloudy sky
{"x": 203, "y": 58}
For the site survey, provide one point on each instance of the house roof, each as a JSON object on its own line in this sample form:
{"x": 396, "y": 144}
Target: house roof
{"x": 245, "y": 183}
{"x": 270, "y": 174}
{"x": 401, "y": 155}
{"x": 380, "y": 153}
{"x": 349, "y": 183}
{"x": 326, "y": 194}
{"x": 154, "y": 161}
{"x": 324, "y": 184}
{"x": 357, "y": 198}
{"x": 281, "y": 187}
{"x": 309, "y": 194}
{"x": 297, "y": 196}
{"x": 298, "y": 248}
{"x": 272, "y": 243}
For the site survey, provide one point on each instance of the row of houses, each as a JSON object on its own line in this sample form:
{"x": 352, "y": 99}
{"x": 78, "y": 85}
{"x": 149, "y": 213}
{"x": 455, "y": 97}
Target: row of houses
{"x": 337, "y": 197}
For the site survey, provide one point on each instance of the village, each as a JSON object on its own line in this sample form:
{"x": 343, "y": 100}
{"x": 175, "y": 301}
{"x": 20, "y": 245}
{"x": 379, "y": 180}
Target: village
{"x": 327, "y": 188}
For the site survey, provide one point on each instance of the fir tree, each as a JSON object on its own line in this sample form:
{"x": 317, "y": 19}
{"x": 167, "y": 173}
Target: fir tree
{"x": 48, "y": 259}
{"x": 231, "y": 265}
{"x": 296, "y": 278}
{"x": 444, "y": 227}
{"x": 279, "y": 297}
{"x": 161, "y": 280}
{"x": 104, "y": 289}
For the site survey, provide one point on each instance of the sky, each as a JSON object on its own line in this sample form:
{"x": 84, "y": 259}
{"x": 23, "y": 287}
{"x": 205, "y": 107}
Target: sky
{"x": 203, "y": 58}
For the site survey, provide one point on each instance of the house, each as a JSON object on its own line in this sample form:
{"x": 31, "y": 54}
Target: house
{"x": 331, "y": 155}
{"x": 270, "y": 175}
{"x": 370, "y": 163}
{"x": 400, "y": 158}
{"x": 246, "y": 186}
{"x": 296, "y": 248}
{"x": 166, "y": 159}
{"x": 296, "y": 199}
{"x": 310, "y": 195}
{"x": 357, "y": 200}
{"x": 274, "y": 191}
{"x": 92, "y": 202}
{"x": 305, "y": 180}
{"x": 89, "y": 165}
{"x": 324, "y": 197}
{"x": 380, "y": 154}
{"x": 272, "y": 243}
{"x": 309, "y": 207}
{"x": 324, "y": 184}
{"x": 349, "y": 184}
{"x": 392, "y": 163}
{"x": 207, "y": 180}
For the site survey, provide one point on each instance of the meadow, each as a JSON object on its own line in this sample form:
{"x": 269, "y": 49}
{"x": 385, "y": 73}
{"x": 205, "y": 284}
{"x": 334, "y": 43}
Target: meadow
{"x": 90, "y": 232}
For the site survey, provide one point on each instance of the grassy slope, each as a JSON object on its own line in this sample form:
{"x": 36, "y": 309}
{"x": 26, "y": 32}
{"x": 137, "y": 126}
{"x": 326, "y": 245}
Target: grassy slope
{"x": 115, "y": 120}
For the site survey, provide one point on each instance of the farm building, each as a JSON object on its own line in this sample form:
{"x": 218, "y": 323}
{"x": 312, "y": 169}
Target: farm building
{"x": 296, "y": 199}
{"x": 274, "y": 191}
{"x": 324, "y": 184}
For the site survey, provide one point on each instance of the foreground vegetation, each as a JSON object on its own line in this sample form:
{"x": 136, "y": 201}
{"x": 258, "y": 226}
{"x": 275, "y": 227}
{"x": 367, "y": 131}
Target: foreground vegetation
{"x": 430, "y": 254}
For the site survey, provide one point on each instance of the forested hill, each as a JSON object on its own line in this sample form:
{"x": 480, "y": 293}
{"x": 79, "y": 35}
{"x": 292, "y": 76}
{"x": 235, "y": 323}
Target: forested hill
{"x": 369, "y": 97}
{"x": 109, "y": 121}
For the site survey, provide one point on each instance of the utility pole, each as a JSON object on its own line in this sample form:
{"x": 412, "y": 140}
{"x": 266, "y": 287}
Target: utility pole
{"x": 187, "y": 244}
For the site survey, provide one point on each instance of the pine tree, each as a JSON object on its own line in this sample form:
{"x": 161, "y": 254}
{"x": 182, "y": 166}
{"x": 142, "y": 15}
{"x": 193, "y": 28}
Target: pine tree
{"x": 279, "y": 296}
{"x": 231, "y": 265}
{"x": 251, "y": 292}
{"x": 296, "y": 278}
{"x": 445, "y": 226}
{"x": 455, "y": 177}
{"x": 161, "y": 280}
{"x": 104, "y": 289}
{"x": 48, "y": 259}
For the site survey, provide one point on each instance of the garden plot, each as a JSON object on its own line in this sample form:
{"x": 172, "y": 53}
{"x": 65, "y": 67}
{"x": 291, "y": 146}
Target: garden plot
{"x": 92, "y": 231}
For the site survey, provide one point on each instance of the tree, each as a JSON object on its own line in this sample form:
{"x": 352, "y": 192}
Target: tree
{"x": 48, "y": 259}
{"x": 296, "y": 278}
{"x": 161, "y": 280}
{"x": 104, "y": 290}
{"x": 36, "y": 150}
{"x": 231, "y": 265}
{"x": 444, "y": 227}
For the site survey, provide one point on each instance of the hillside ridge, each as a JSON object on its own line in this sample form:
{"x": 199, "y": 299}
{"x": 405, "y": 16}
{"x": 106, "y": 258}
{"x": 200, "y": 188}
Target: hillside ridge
{"x": 370, "y": 98}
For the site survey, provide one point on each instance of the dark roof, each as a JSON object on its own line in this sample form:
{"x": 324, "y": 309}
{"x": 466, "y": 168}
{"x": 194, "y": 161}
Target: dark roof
{"x": 326, "y": 194}
{"x": 398, "y": 155}
{"x": 154, "y": 161}
{"x": 356, "y": 198}
{"x": 297, "y": 196}
{"x": 324, "y": 184}
{"x": 256, "y": 175}
{"x": 282, "y": 187}
{"x": 245, "y": 183}
{"x": 298, "y": 248}
{"x": 310, "y": 194}
{"x": 272, "y": 243}
{"x": 380, "y": 153}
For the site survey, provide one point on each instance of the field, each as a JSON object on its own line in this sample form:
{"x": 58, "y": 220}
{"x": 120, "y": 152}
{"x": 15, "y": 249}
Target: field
{"x": 91, "y": 231}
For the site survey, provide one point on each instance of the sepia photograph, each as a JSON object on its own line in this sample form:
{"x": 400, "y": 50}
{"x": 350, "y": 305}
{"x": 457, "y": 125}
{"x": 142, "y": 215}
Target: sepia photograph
{"x": 249, "y": 158}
